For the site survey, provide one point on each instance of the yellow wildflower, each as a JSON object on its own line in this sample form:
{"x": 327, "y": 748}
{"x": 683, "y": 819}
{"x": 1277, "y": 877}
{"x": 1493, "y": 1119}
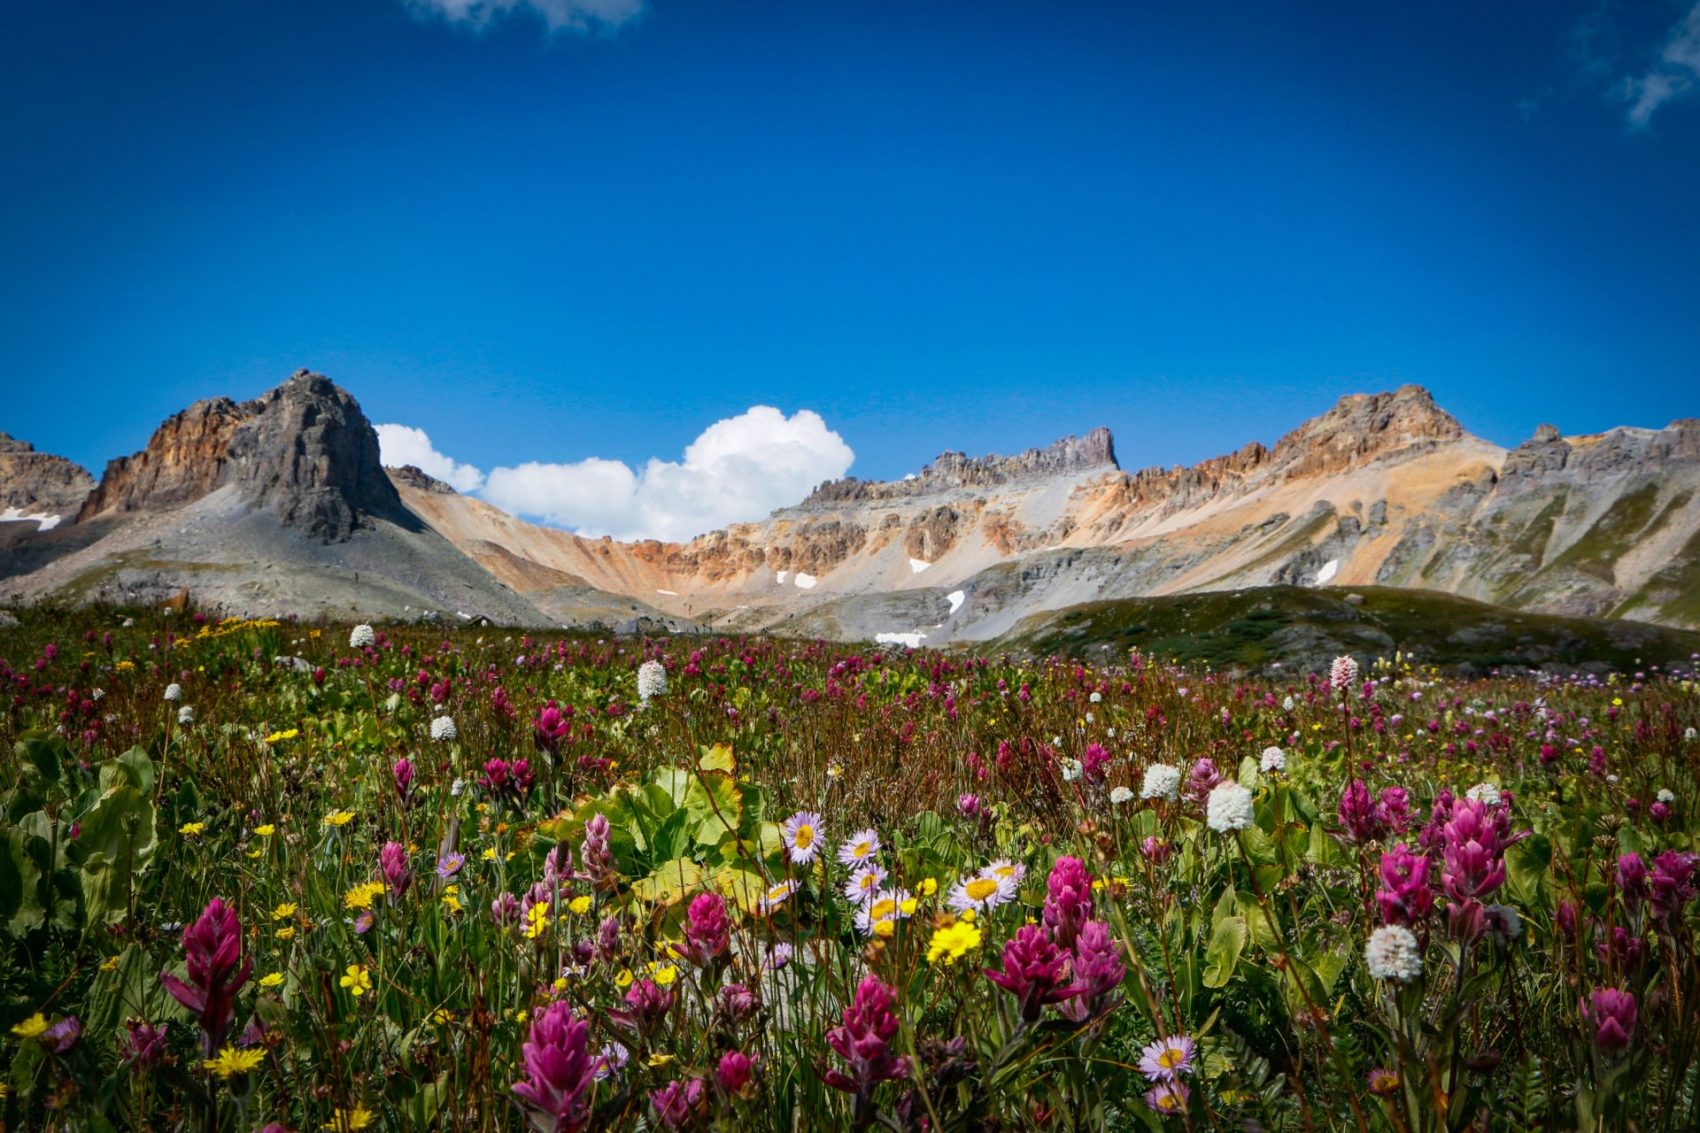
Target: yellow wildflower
{"x": 953, "y": 942}
{"x": 580, "y": 905}
{"x": 192, "y": 829}
{"x": 231, "y": 1062}
{"x": 266, "y": 830}
{"x": 362, "y": 895}
{"x": 30, "y": 1027}
{"x": 663, "y": 974}
{"x": 358, "y": 980}
{"x": 110, "y": 964}
{"x": 348, "y": 1120}
{"x": 339, "y": 818}
{"x": 452, "y": 903}
{"x": 536, "y": 921}
{"x": 623, "y": 978}
{"x": 660, "y": 1058}
{"x": 272, "y": 979}
{"x": 287, "y": 932}
{"x": 283, "y": 911}
{"x": 279, "y": 737}
{"x": 442, "y": 1016}
{"x": 928, "y": 886}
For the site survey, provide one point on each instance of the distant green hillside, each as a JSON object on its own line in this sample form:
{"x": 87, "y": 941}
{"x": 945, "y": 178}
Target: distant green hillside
{"x": 1259, "y": 626}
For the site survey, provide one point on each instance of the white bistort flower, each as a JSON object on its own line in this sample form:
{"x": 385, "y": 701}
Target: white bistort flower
{"x": 1392, "y": 954}
{"x": 361, "y": 636}
{"x": 651, "y": 680}
{"x": 1666, "y": 796}
{"x": 1287, "y": 703}
{"x": 174, "y": 691}
{"x": 1161, "y": 782}
{"x": 1120, "y": 795}
{"x": 1070, "y": 770}
{"x": 1343, "y": 673}
{"x": 1228, "y": 808}
{"x": 443, "y": 729}
{"x": 1274, "y": 759}
{"x": 185, "y": 715}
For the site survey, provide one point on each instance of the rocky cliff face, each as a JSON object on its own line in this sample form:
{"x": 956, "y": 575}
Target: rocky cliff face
{"x": 304, "y": 452}
{"x": 39, "y": 483}
{"x": 1095, "y": 451}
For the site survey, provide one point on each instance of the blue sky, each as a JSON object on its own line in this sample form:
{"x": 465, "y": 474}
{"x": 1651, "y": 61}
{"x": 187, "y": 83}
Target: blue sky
{"x": 973, "y": 226}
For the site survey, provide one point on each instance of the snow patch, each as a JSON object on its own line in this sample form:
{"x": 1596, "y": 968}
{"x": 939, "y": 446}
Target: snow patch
{"x": 669, "y": 593}
{"x": 782, "y": 576}
{"x": 1328, "y": 571}
{"x": 41, "y": 519}
{"x": 955, "y": 598}
{"x": 916, "y": 566}
{"x": 910, "y": 640}
{"x": 806, "y": 581}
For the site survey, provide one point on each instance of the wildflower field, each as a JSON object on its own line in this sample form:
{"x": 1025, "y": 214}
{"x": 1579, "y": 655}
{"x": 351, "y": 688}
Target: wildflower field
{"x": 264, "y": 876}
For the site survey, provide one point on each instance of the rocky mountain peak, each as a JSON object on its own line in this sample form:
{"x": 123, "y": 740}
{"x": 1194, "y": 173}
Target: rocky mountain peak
{"x": 39, "y": 482}
{"x": 413, "y": 476}
{"x": 955, "y": 470}
{"x": 1365, "y": 426}
{"x": 304, "y": 451}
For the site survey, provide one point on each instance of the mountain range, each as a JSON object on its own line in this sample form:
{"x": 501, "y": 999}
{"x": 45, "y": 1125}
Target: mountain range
{"x": 281, "y": 504}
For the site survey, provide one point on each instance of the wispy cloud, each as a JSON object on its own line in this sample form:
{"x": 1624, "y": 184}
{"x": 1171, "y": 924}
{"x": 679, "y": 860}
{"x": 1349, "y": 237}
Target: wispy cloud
{"x": 1675, "y": 74}
{"x": 739, "y": 468}
{"x": 557, "y": 15}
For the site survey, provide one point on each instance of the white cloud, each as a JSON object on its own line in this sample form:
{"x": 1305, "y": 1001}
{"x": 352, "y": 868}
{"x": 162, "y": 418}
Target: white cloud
{"x": 740, "y": 468}
{"x": 558, "y": 15}
{"x": 1675, "y": 75}
{"x": 401, "y": 444}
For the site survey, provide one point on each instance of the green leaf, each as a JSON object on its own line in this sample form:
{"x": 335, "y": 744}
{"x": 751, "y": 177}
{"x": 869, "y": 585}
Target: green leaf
{"x": 718, "y": 758}
{"x": 670, "y": 882}
{"x": 42, "y": 756}
{"x": 1526, "y": 865}
{"x": 1228, "y": 934}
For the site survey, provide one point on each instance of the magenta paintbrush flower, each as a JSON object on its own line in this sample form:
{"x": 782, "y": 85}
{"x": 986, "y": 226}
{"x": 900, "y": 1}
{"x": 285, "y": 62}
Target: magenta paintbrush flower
{"x": 708, "y": 934}
{"x": 1035, "y": 971}
{"x": 1068, "y": 900}
{"x": 212, "y": 949}
{"x": 864, "y": 1042}
{"x": 392, "y": 860}
{"x": 1612, "y": 1014}
{"x": 559, "y": 1071}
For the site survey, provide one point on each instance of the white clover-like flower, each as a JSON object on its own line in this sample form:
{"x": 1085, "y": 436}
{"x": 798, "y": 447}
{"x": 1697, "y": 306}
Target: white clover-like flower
{"x": 174, "y": 691}
{"x": 1228, "y": 808}
{"x": 1287, "y": 703}
{"x": 185, "y": 715}
{"x": 1161, "y": 782}
{"x": 651, "y": 680}
{"x": 1274, "y": 759}
{"x": 1666, "y": 796}
{"x": 1484, "y": 793}
{"x": 443, "y": 729}
{"x": 1343, "y": 673}
{"x": 1120, "y": 795}
{"x": 361, "y": 636}
{"x": 1070, "y": 770}
{"x": 1691, "y": 734}
{"x": 1392, "y": 954}
{"x": 457, "y": 788}
{"x": 1096, "y": 697}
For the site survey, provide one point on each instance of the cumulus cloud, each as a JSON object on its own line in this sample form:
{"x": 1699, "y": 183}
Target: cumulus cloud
{"x": 557, "y": 15}
{"x": 401, "y": 444}
{"x": 1675, "y": 75}
{"x": 740, "y": 468}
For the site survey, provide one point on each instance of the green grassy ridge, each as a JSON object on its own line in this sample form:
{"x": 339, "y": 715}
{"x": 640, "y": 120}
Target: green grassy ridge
{"x": 1259, "y": 626}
